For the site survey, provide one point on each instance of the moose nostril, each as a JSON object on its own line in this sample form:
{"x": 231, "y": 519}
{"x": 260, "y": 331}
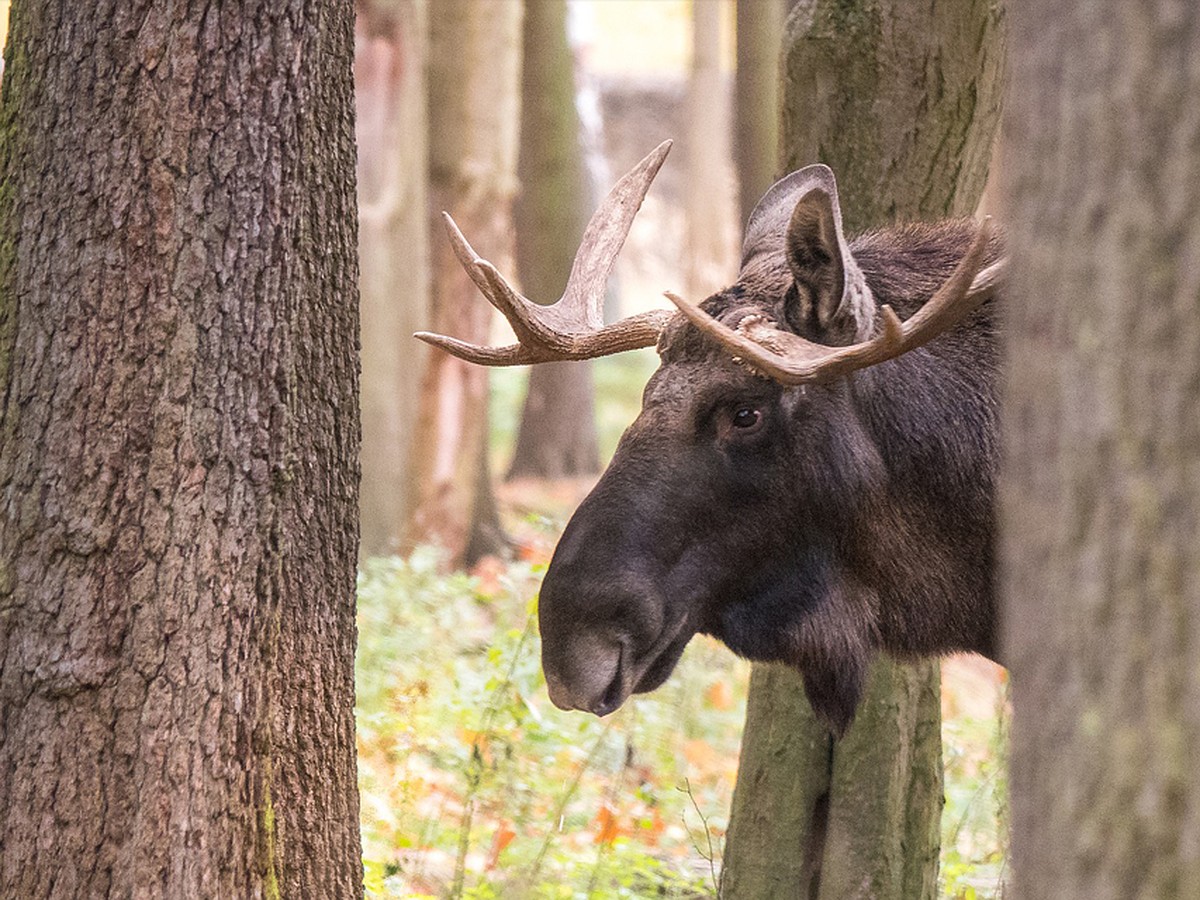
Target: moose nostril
{"x": 613, "y": 696}
{"x": 586, "y": 672}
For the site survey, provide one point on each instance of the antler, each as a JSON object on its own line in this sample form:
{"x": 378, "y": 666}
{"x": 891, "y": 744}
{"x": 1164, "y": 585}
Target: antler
{"x": 573, "y": 327}
{"x": 791, "y": 360}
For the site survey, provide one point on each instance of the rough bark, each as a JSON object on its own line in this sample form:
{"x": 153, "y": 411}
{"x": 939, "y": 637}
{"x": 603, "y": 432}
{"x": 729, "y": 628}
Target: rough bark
{"x": 756, "y": 99}
{"x": 1101, "y": 482}
{"x": 871, "y": 804}
{"x": 393, "y": 250}
{"x": 178, "y": 446}
{"x": 557, "y": 434}
{"x": 708, "y": 196}
{"x": 474, "y": 110}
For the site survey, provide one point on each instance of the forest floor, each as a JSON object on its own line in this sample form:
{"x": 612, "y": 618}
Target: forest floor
{"x": 475, "y": 786}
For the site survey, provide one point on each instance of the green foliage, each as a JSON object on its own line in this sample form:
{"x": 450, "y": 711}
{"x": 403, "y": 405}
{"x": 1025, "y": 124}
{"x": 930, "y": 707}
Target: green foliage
{"x": 975, "y": 819}
{"x": 473, "y": 785}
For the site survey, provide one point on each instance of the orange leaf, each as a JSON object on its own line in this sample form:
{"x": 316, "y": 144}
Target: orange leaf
{"x": 477, "y": 739}
{"x": 719, "y": 695}
{"x": 502, "y": 838}
{"x": 701, "y": 755}
{"x": 609, "y": 829}
{"x": 535, "y": 551}
{"x": 487, "y": 573}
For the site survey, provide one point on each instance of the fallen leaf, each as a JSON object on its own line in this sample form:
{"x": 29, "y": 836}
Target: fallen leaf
{"x": 502, "y": 838}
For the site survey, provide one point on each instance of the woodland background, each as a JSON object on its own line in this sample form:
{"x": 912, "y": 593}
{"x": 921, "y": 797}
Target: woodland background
{"x": 268, "y": 566}
{"x": 473, "y": 783}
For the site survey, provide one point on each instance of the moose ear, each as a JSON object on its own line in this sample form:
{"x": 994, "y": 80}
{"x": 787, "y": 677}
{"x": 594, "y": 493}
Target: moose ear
{"x": 832, "y": 301}
{"x": 800, "y": 216}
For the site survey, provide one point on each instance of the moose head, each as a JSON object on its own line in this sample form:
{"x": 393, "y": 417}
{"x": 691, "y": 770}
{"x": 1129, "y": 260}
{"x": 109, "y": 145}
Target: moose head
{"x": 810, "y": 478}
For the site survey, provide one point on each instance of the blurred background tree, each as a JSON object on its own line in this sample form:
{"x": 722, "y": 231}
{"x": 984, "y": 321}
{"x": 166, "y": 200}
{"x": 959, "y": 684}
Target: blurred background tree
{"x": 557, "y": 434}
{"x": 756, "y": 99}
{"x": 1101, "y": 479}
{"x": 709, "y": 194}
{"x": 474, "y": 117}
{"x": 390, "y": 60}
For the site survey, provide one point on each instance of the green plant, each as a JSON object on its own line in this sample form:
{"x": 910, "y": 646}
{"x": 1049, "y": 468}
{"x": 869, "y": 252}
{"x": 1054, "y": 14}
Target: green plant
{"x": 474, "y": 786}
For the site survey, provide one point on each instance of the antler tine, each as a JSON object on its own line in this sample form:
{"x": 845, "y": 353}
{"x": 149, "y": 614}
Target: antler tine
{"x": 511, "y": 355}
{"x": 518, "y": 309}
{"x": 954, "y": 299}
{"x": 604, "y": 237}
{"x": 792, "y": 360}
{"x": 572, "y": 327}
{"x": 641, "y": 330}
{"x": 466, "y": 255}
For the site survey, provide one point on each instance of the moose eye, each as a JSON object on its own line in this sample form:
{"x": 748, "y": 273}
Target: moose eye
{"x": 746, "y": 417}
{"x": 738, "y": 423}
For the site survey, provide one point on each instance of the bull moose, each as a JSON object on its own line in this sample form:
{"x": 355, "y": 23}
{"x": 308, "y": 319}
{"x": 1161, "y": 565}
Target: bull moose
{"x": 811, "y": 478}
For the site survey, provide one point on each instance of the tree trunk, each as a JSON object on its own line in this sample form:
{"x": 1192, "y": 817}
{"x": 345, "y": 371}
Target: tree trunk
{"x": 1101, "y": 482}
{"x": 474, "y": 109}
{"x": 903, "y": 104}
{"x": 178, "y": 446}
{"x": 393, "y": 249}
{"x": 708, "y": 197}
{"x": 557, "y": 436}
{"x": 756, "y": 99}
{"x": 904, "y": 99}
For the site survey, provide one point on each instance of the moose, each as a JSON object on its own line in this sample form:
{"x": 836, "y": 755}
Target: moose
{"x": 811, "y": 477}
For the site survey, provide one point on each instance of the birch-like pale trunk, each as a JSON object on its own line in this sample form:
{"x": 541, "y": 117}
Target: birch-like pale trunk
{"x": 391, "y": 51}
{"x": 474, "y": 117}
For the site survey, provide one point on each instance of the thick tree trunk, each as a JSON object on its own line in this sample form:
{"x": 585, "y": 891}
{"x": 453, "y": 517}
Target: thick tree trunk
{"x": 557, "y": 436}
{"x": 902, "y": 102}
{"x": 393, "y": 249}
{"x": 1101, "y": 481}
{"x": 474, "y": 110}
{"x": 178, "y": 445}
{"x": 904, "y": 97}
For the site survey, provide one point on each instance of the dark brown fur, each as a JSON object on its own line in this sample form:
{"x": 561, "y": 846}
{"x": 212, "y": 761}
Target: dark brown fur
{"x": 857, "y": 517}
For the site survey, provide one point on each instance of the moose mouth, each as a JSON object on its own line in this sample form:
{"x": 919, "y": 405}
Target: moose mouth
{"x": 641, "y": 676}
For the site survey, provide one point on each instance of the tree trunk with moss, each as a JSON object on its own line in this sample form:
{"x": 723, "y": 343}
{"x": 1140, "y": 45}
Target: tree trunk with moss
{"x": 902, "y": 103}
{"x": 557, "y": 435}
{"x": 474, "y": 111}
{"x": 1100, "y": 508}
{"x": 178, "y": 452}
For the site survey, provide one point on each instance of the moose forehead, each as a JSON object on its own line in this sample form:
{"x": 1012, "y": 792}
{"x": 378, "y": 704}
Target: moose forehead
{"x": 759, "y": 291}
{"x": 684, "y": 389}
{"x": 695, "y": 368}
{"x": 696, "y": 373}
